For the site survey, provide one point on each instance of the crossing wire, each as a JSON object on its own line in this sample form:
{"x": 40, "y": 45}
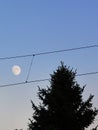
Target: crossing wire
{"x": 45, "y": 53}
{"x": 30, "y": 68}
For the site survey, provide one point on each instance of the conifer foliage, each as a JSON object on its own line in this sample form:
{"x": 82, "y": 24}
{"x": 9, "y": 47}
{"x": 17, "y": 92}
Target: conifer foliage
{"x": 62, "y": 106}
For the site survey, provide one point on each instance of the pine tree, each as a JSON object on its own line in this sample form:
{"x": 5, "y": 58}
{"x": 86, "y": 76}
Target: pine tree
{"x": 62, "y": 106}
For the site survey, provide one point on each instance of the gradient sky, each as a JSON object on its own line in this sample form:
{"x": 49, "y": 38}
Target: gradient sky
{"x": 28, "y": 26}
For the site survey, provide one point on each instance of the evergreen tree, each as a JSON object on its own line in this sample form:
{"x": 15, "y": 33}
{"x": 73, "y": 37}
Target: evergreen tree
{"x": 62, "y": 106}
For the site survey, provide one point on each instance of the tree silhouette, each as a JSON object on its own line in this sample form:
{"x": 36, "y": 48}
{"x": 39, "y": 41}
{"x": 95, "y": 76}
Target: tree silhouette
{"x": 19, "y": 129}
{"x": 95, "y": 128}
{"x": 62, "y": 106}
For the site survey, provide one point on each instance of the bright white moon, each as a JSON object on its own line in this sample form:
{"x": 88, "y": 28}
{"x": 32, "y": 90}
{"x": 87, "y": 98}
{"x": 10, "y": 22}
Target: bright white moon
{"x": 16, "y": 70}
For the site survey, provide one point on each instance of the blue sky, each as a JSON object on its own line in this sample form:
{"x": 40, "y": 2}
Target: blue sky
{"x": 28, "y": 27}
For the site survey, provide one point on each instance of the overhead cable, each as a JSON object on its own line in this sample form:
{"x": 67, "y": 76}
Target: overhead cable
{"x": 89, "y": 73}
{"x": 42, "y": 80}
{"x": 21, "y": 83}
{"x": 30, "y": 68}
{"x": 66, "y": 50}
{"x": 49, "y": 52}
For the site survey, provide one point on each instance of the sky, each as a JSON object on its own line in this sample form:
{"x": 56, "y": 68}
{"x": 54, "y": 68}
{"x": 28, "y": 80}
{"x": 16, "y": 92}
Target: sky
{"x": 29, "y": 27}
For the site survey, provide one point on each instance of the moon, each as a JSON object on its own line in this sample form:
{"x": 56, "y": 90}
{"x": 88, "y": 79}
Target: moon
{"x": 16, "y": 70}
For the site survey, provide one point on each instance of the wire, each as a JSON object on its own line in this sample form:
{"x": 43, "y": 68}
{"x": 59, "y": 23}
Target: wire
{"x": 14, "y": 57}
{"x": 30, "y": 68}
{"x": 50, "y": 52}
{"x": 45, "y": 53}
{"x": 65, "y": 50}
{"x": 42, "y": 80}
{"x": 21, "y": 83}
{"x": 90, "y": 73}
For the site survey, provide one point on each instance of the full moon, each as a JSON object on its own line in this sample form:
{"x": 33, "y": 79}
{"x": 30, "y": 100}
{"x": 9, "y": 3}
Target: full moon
{"x": 16, "y": 70}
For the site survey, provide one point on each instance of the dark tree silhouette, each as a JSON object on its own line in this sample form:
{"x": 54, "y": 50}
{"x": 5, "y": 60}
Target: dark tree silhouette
{"x": 19, "y": 129}
{"x": 62, "y": 106}
{"x": 95, "y": 128}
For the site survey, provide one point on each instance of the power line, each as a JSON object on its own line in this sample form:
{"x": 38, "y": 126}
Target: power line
{"x": 49, "y": 52}
{"x": 65, "y": 50}
{"x": 42, "y": 80}
{"x": 89, "y": 73}
{"x": 21, "y": 83}
{"x": 45, "y": 53}
{"x": 30, "y": 68}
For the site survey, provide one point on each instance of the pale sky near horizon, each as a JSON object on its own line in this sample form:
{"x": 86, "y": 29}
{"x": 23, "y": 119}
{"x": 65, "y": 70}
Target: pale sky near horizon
{"x": 28, "y": 27}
